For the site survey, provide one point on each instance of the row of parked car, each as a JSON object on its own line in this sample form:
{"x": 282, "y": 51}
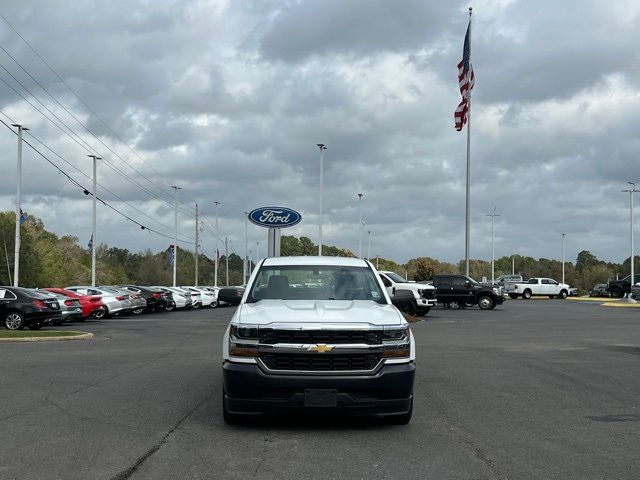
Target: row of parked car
{"x": 33, "y": 308}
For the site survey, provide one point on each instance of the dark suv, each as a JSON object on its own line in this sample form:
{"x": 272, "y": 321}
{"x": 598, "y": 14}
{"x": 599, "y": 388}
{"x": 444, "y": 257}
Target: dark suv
{"x": 618, "y": 288}
{"x": 465, "y": 291}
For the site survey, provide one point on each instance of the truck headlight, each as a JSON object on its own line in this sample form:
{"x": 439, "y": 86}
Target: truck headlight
{"x": 243, "y": 340}
{"x": 396, "y": 342}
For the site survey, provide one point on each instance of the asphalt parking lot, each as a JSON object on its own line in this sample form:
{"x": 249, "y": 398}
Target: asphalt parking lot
{"x": 538, "y": 389}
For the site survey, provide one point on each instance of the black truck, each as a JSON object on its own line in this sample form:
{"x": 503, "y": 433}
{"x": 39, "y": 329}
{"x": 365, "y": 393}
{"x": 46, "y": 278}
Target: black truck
{"x": 618, "y": 288}
{"x": 465, "y": 291}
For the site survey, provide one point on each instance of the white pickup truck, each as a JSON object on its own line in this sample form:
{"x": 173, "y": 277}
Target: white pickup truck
{"x": 547, "y": 287}
{"x": 424, "y": 294}
{"x": 338, "y": 344}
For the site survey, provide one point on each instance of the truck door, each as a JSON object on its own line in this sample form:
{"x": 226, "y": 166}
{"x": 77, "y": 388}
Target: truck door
{"x": 443, "y": 289}
{"x": 461, "y": 290}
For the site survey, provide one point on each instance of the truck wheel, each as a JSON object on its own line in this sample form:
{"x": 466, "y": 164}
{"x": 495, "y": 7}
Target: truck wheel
{"x": 402, "y": 419}
{"x": 423, "y": 311}
{"x": 616, "y": 292}
{"x": 552, "y": 297}
{"x": 563, "y": 294}
{"x": 513, "y": 296}
{"x": 485, "y": 302}
{"x": 526, "y": 294}
{"x": 409, "y": 308}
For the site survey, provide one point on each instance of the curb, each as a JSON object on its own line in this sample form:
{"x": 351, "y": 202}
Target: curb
{"x": 593, "y": 299}
{"x": 83, "y": 336}
{"x": 621, "y": 305}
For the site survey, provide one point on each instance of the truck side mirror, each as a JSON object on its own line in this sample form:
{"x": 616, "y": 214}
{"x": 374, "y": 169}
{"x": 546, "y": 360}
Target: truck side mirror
{"x": 467, "y": 283}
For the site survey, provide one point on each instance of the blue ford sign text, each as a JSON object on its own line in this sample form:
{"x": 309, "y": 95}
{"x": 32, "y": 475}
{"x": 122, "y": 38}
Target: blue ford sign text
{"x": 274, "y": 217}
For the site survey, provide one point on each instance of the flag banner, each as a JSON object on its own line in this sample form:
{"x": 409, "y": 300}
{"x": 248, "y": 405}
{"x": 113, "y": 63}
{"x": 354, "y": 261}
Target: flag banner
{"x": 90, "y": 244}
{"x": 23, "y": 217}
{"x": 466, "y": 80}
{"x": 170, "y": 254}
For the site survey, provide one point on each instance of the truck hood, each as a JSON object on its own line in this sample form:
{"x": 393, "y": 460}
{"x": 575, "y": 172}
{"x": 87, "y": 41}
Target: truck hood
{"x": 321, "y": 312}
{"x": 413, "y": 286}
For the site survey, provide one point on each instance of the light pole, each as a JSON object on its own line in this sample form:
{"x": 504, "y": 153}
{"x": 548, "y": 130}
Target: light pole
{"x": 360, "y": 195}
{"x": 369, "y": 246}
{"x": 513, "y": 265}
{"x": 631, "y": 191}
{"x": 563, "y": 235}
{"x": 93, "y": 222}
{"x": 249, "y": 262}
{"x": 215, "y": 265}
{"x": 245, "y": 264}
{"x": 197, "y": 239}
{"x": 322, "y": 149}
{"x": 257, "y": 247}
{"x": 16, "y": 252}
{"x": 175, "y": 235}
{"x": 377, "y": 262}
{"x": 493, "y": 251}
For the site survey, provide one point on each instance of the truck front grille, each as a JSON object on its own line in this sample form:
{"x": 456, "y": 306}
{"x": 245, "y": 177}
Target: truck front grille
{"x": 428, "y": 294}
{"x": 320, "y": 362}
{"x": 369, "y": 337}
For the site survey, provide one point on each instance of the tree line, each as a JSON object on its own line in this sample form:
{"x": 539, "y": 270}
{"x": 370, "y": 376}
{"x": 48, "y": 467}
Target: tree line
{"x": 49, "y": 260}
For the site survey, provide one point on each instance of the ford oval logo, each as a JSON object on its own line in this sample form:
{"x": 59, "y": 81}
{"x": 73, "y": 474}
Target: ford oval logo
{"x": 274, "y": 217}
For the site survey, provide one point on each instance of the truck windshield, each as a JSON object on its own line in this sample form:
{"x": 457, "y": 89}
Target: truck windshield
{"x": 395, "y": 277}
{"x": 309, "y": 282}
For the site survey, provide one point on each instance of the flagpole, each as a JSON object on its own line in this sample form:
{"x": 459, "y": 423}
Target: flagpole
{"x": 468, "y": 199}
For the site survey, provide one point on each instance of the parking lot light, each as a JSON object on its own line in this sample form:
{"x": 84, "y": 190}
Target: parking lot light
{"x": 631, "y": 191}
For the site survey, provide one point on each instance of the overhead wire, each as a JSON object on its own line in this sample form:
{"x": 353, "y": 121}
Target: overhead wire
{"x": 79, "y": 185}
{"x": 74, "y": 93}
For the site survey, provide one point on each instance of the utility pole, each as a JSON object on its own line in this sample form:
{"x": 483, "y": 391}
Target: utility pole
{"x": 563, "y": 257}
{"x": 369, "y": 246}
{"x": 493, "y": 251}
{"x": 226, "y": 257}
{"x": 360, "y": 195}
{"x": 197, "y": 233}
{"x": 322, "y": 149}
{"x": 245, "y": 264}
{"x": 215, "y": 273}
{"x": 94, "y": 242}
{"x": 631, "y": 191}
{"x": 175, "y": 235}
{"x": 16, "y": 253}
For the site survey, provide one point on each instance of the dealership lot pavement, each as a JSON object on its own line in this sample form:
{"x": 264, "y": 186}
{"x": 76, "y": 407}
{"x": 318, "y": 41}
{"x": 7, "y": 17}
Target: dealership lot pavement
{"x": 545, "y": 389}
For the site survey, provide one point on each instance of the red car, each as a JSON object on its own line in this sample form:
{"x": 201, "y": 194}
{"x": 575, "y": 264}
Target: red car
{"x": 92, "y": 306}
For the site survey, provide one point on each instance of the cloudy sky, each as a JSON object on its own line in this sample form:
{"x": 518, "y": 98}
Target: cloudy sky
{"x": 228, "y": 99}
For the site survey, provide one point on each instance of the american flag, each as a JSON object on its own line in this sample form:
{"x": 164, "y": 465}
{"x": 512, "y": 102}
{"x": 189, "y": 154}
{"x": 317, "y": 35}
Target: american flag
{"x": 466, "y": 81}
{"x": 90, "y": 244}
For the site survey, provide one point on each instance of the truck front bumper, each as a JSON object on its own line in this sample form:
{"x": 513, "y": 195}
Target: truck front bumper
{"x": 248, "y": 390}
{"x": 426, "y": 302}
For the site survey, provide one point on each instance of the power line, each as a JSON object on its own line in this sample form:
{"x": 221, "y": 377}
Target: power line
{"x": 79, "y": 185}
{"x": 74, "y": 93}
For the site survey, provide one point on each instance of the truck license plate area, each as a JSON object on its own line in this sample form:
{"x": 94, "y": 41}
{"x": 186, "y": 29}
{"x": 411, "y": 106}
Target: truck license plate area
{"x": 320, "y": 397}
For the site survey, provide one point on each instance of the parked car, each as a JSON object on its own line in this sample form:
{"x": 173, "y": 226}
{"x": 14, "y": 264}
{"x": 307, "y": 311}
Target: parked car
{"x": 599, "y": 290}
{"x": 547, "y": 287}
{"x": 22, "y": 307}
{"x": 210, "y": 298}
{"x": 231, "y": 295}
{"x": 205, "y": 298}
{"x": 181, "y": 298}
{"x": 619, "y": 288}
{"x": 504, "y": 279}
{"x": 70, "y": 309}
{"x": 156, "y": 300}
{"x": 115, "y": 303}
{"x": 424, "y": 295}
{"x": 465, "y": 291}
{"x": 338, "y": 346}
{"x": 92, "y": 305}
{"x": 138, "y": 302}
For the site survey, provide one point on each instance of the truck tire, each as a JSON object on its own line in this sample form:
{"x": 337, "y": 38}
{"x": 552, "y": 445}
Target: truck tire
{"x": 563, "y": 294}
{"x": 526, "y": 294}
{"x": 485, "y": 302}
{"x": 552, "y": 297}
{"x": 423, "y": 311}
{"x": 410, "y": 308}
{"x": 616, "y": 292}
{"x": 513, "y": 296}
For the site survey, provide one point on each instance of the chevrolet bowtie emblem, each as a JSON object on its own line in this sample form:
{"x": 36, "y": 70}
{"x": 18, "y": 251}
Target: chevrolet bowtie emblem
{"x": 320, "y": 348}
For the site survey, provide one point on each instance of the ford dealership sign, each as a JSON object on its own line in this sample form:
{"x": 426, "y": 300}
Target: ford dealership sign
{"x": 274, "y": 217}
